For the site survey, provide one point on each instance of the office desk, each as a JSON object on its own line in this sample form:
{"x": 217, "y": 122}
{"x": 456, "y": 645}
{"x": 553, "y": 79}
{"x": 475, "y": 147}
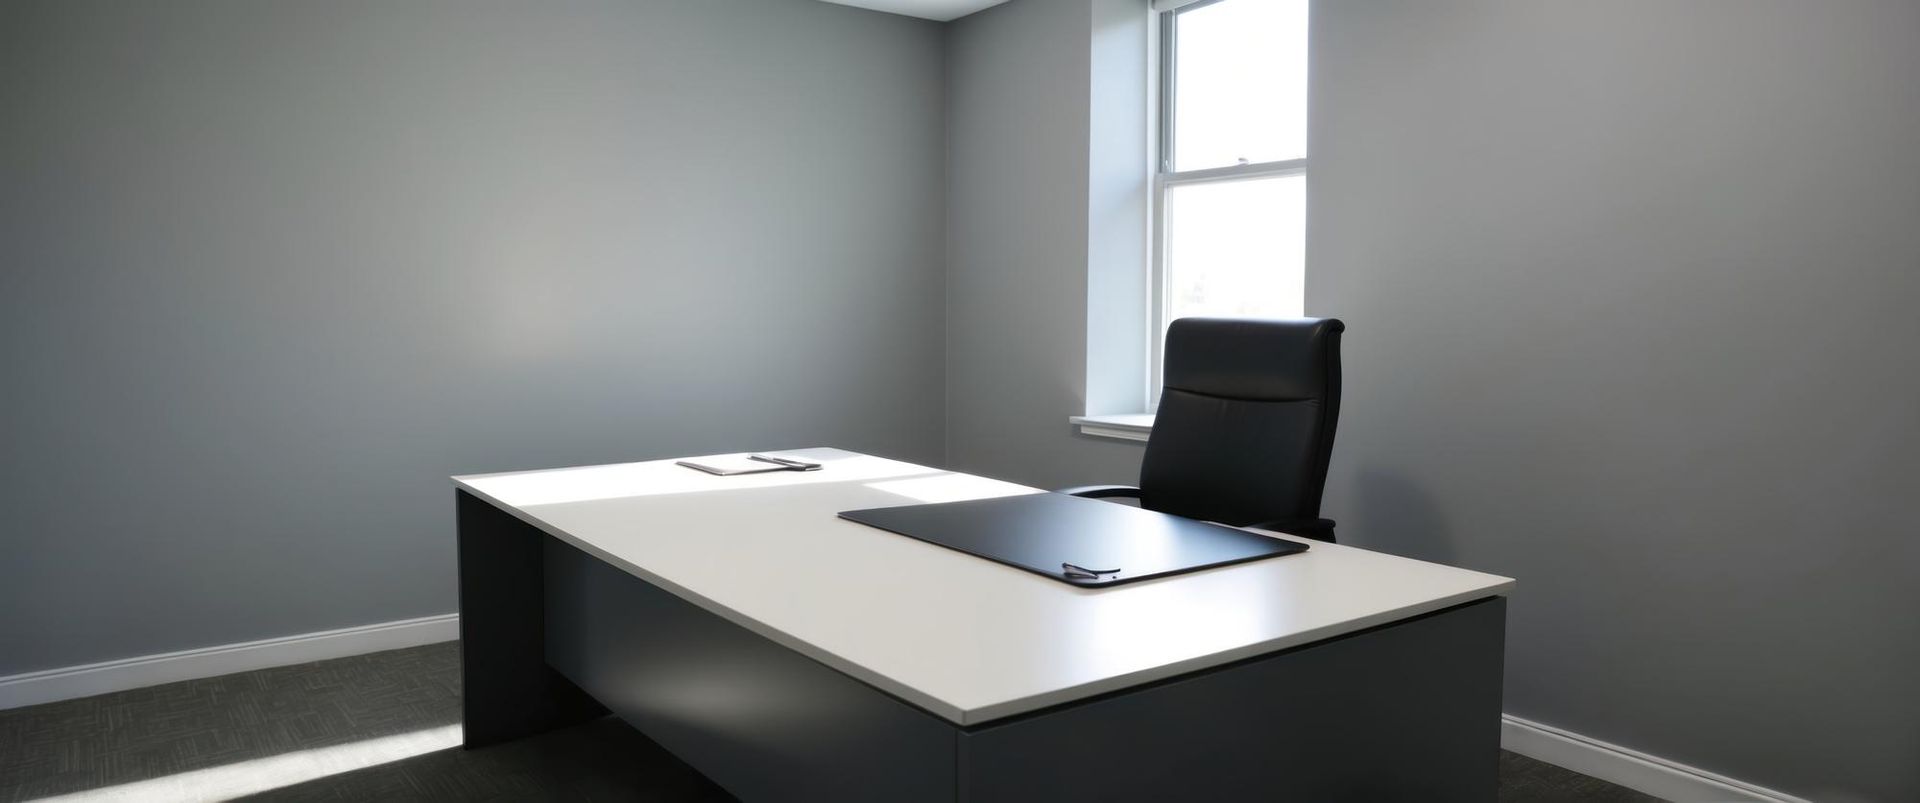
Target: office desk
{"x": 790, "y": 654}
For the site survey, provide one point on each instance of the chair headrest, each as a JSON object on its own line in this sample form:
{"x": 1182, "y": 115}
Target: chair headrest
{"x": 1254, "y": 359}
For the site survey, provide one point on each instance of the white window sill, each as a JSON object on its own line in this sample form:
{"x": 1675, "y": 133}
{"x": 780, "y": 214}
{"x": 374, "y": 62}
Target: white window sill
{"x": 1135, "y": 427}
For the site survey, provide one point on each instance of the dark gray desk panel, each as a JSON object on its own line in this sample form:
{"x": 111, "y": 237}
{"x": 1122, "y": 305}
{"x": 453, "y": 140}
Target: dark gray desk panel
{"x": 761, "y": 720}
{"x": 1404, "y": 712}
{"x": 507, "y": 689}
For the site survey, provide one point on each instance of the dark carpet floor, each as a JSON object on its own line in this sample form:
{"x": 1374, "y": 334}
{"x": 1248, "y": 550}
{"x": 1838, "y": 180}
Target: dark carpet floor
{"x": 381, "y": 727}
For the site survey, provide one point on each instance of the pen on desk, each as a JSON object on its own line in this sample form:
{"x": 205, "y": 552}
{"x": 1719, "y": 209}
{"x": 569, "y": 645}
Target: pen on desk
{"x": 796, "y": 465}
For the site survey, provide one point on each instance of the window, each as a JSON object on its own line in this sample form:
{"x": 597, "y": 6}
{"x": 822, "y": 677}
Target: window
{"x": 1230, "y": 181}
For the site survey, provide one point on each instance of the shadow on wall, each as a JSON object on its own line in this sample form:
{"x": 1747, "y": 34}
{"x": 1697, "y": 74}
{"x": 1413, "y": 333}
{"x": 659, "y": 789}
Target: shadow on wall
{"x": 1398, "y": 516}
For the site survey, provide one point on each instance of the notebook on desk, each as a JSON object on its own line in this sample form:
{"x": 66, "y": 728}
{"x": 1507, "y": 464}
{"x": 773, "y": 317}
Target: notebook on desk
{"x": 1084, "y": 542}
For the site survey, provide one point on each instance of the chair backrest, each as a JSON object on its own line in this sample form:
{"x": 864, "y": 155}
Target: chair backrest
{"x": 1246, "y": 420}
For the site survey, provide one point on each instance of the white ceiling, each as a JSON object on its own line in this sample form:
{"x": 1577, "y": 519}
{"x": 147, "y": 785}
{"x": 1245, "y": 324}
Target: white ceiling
{"x": 938, "y": 10}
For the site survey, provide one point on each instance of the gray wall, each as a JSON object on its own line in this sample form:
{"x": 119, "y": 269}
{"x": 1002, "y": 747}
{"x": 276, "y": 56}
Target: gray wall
{"x": 273, "y": 270}
{"x": 1631, "y": 289}
{"x": 1018, "y": 88}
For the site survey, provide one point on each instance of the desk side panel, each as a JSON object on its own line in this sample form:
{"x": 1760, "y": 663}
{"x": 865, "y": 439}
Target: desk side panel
{"x": 507, "y": 689}
{"x": 1404, "y": 712}
{"x": 762, "y": 721}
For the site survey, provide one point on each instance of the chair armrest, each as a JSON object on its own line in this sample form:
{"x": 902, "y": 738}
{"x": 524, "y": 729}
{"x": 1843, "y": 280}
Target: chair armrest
{"x": 1102, "y": 491}
{"x": 1316, "y": 529}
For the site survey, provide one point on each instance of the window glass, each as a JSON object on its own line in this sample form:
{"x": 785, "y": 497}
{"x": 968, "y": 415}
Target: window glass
{"x": 1239, "y": 83}
{"x": 1236, "y": 248}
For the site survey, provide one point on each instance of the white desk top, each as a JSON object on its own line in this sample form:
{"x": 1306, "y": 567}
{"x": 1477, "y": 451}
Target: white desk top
{"x": 965, "y": 638}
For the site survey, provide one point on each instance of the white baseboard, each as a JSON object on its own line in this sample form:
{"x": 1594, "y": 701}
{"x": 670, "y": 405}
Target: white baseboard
{"x": 53, "y": 685}
{"x": 1653, "y": 775}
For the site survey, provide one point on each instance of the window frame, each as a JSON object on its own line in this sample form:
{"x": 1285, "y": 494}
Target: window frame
{"x": 1165, "y": 178}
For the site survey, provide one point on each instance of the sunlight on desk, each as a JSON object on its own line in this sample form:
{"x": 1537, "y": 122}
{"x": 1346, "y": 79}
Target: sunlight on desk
{"x": 951, "y": 488}
{"x": 658, "y": 478}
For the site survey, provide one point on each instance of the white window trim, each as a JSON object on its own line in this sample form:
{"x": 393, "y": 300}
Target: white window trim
{"x": 1137, "y": 426}
{"x": 1163, "y": 182}
{"x": 1130, "y": 427}
{"x": 1165, "y": 178}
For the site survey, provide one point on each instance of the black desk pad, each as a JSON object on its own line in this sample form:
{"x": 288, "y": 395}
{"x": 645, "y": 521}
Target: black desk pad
{"x": 1074, "y": 540}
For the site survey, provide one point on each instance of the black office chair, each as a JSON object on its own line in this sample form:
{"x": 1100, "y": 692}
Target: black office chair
{"x": 1245, "y": 425}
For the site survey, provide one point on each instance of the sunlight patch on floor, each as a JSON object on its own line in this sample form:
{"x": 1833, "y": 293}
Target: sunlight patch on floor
{"x": 274, "y": 772}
